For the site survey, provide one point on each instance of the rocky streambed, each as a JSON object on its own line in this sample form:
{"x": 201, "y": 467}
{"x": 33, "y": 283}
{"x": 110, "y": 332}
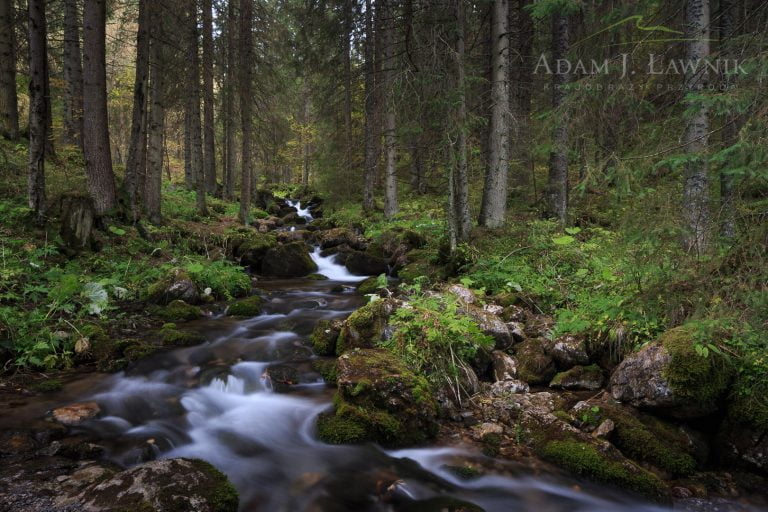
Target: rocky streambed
{"x": 286, "y": 401}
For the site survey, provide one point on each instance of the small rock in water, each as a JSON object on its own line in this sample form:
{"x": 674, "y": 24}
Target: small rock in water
{"x": 75, "y": 414}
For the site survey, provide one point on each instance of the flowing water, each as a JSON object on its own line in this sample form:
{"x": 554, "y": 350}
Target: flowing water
{"x": 247, "y": 400}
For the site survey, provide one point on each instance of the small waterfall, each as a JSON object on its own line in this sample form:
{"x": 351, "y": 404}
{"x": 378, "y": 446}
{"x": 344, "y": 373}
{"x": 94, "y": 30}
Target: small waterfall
{"x": 327, "y": 266}
{"x": 302, "y": 212}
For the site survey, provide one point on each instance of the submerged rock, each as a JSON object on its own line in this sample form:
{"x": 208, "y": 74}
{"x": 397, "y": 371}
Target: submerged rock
{"x": 75, "y": 414}
{"x": 379, "y": 399}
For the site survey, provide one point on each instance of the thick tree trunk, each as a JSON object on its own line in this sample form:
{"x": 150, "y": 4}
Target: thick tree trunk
{"x": 73, "y": 75}
{"x": 391, "y": 206}
{"x": 696, "y": 214}
{"x": 135, "y": 169}
{"x": 558, "y": 158}
{"x": 37, "y": 108}
{"x": 494, "y": 207}
{"x": 229, "y": 102}
{"x": 156, "y": 121}
{"x": 520, "y": 93}
{"x": 730, "y": 131}
{"x": 98, "y": 160}
{"x": 460, "y": 184}
{"x": 193, "y": 108}
{"x": 369, "y": 164}
{"x": 209, "y": 141}
{"x": 246, "y": 99}
{"x": 9, "y": 105}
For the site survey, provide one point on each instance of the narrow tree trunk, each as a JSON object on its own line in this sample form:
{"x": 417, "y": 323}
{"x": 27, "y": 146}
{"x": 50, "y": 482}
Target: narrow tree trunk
{"x": 520, "y": 92}
{"x": 246, "y": 56}
{"x": 98, "y": 160}
{"x": 209, "y": 141}
{"x": 347, "y": 51}
{"x": 189, "y": 173}
{"x": 134, "y": 168}
{"x": 193, "y": 108}
{"x": 696, "y": 214}
{"x": 460, "y": 183}
{"x": 9, "y": 105}
{"x": 494, "y": 205}
{"x": 305, "y": 142}
{"x": 730, "y": 132}
{"x": 558, "y": 158}
{"x": 37, "y": 108}
{"x": 73, "y": 75}
{"x": 156, "y": 121}
{"x": 229, "y": 109}
{"x": 370, "y": 107}
{"x": 391, "y": 206}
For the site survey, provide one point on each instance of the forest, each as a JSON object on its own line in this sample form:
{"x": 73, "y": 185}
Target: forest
{"x": 384, "y": 255}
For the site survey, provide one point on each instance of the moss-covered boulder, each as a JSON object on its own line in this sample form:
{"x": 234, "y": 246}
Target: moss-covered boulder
{"x": 365, "y": 263}
{"x": 419, "y": 270}
{"x": 340, "y": 236}
{"x": 743, "y": 436}
{"x": 172, "y": 337}
{"x": 669, "y": 376}
{"x": 368, "y": 286}
{"x": 179, "y": 311}
{"x": 379, "y": 399}
{"x": 366, "y": 326}
{"x": 289, "y": 260}
{"x": 324, "y": 337}
{"x": 589, "y": 378}
{"x": 535, "y": 366}
{"x": 168, "y": 484}
{"x": 328, "y": 370}
{"x": 250, "y": 246}
{"x": 175, "y": 286}
{"x": 248, "y": 307}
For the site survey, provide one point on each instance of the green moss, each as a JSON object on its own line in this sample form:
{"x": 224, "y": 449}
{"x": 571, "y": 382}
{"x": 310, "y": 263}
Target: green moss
{"x": 566, "y": 379}
{"x": 585, "y": 460}
{"x": 327, "y": 369}
{"x": 465, "y": 472}
{"x": 689, "y": 375}
{"x": 324, "y": 337}
{"x": 369, "y": 285}
{"x": 250, "y": 306}
{"x": 414, "y": 271}
{"x": 563, "y": 416}
{"x": 178, "y": 310}
{"x": 220, "y": 493}
{"x": 491, "y": 444}
{"x": 47, "y": 386}
{"x": 317, "y": 277}
{"x": 139, "y": 350}
{"x": 535, "y": 366}
{"x": 363, "y": 328}
{"x": 333, "y": 429}
{"x": 177, "y": 338}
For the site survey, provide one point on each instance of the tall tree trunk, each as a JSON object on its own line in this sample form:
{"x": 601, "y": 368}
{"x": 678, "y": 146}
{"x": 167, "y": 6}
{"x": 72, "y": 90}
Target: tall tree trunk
{"x": 135, "y": 169}
{"x": 98, "y": 160}
{"x": 369, "y": 164}
{"x": 347, "y": 51}
{"x": 193, "y": 108}
{"x": 9, "y": 105}
{"x": 305, "y": 143}
{"x": 209, "y": 141}
{"x": 229, "y": 102}
{"x": 558, "y": 157}
{"x": 730, "y": 131}
{"x": 391, "y": 206}
{"x": 246, "y": 56}
{"x": 460, "y": 184}
{"x": 520, "y": 93}
{"x": 696, "y": 214}
{"x": 37, "y": 108}
{"x": 156, "y": 121}
{"x": 73, "y": 75}
{"x": 494, "y": 207}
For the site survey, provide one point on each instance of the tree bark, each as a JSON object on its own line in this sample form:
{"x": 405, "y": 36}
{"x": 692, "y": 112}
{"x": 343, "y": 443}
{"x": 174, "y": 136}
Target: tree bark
{"x": 558, "y": 158}
{"x": 696, "y": 214}
{"x": 135, "y": 169}
{"x": 347, "y": 51}
{"x": 391, "y": 206}
{"x": 37, "y": 108}
{"x": 246, "y": 99}
{"x": 156, "y": 121}
{"x": 494, "y": 207}
{"x": 9, "y": 105}
{"x": 520, "y": 93}
{"x": 369, "y": 164}
{"x": 209, "y": 141}
{"x": 73, "y": 75}
{"x": 730, "y": 131}
{"x": 460, "y": 184}
{"x": 229, "y": 102}
{"x": 305, "y": 143}
{"x": 98, "y": 160}
{"x": 193, "y": 108}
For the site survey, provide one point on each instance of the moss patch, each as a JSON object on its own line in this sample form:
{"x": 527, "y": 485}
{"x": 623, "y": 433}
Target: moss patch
{"x": 333, "y": 429}
{"x": 368, "y": 286}
{"x": 220, "y": 492}
{"x": 585, "y": 460}
{"x": 47, "y": 386}
{"x": 175, "y": 338}
{"x": 317, "y": 277}
{"x": 250, "y": 306}
{"x": 324, "y": 337}
{"x": 364, "y": 327}
{"x": 178, "y": 310}
{"x": 327, "y": 370}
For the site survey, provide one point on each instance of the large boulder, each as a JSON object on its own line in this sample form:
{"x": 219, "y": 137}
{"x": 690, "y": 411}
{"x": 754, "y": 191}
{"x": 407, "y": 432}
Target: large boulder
{"x": 365, "y": 264}
{"x": 490, "y": 324}
{"x": 324, "y": 336}
{"x": 366, "y": 326}
{"x": 250, "y": 247}
{"x": 464, "y": 294}
{"x": 535, "y": 365}
{"x": 379, "y": 399}
{"x": 163, "y": 485}
{"x": 569, "y": 351}
{"x": 670, "y": 377}
{"x": 340, "y": 236}
{"x": 289, "y": 260}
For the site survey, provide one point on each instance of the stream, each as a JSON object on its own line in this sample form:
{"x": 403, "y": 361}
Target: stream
{"x": 227, "y": 401}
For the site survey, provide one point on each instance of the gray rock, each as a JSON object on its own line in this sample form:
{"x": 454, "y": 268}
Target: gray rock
{"x": 504, "y": 366}
{"x": 491, "y": 325}
{"x": 517, "y": 330}
{"x": 509, "y": 387}
{"x": 589, "y": 378}
{"x": 569, "y": 351}
{"x": 463, "y": 293}
{"x": 604, "y": 429}
{"x": 183, "y": 289}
